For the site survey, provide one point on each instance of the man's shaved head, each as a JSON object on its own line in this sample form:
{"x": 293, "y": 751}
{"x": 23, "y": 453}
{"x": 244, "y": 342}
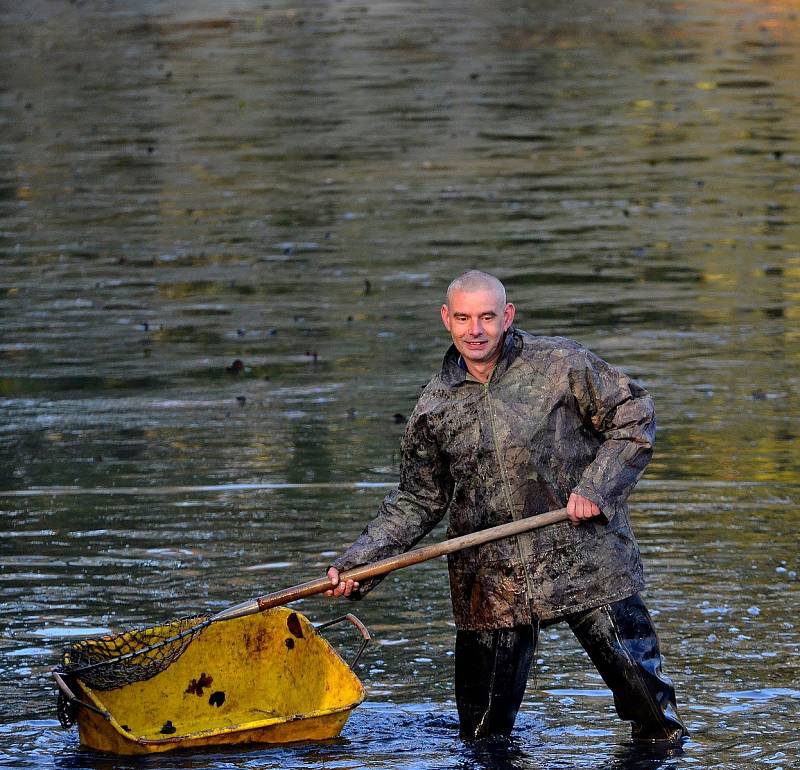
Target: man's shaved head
{"x": 477, "y": 316}
{"x": 476, "y": 280}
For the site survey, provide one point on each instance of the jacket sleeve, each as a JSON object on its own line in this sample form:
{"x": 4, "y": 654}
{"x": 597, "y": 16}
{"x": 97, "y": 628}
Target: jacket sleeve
{"x": 409, "y": 512}
{"x": 621, "y": 411}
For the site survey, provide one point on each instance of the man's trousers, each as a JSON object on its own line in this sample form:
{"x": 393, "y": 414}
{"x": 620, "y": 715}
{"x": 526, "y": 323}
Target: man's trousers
{"x": 492, "y": 671}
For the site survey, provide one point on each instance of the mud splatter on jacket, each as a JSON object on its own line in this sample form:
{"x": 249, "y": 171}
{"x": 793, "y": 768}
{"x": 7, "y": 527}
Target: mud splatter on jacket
{"x": 553, "y": 418}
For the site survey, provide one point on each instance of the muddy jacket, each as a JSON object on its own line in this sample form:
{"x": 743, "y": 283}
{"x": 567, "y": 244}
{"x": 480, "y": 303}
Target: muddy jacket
{"x": 553, "y": 418}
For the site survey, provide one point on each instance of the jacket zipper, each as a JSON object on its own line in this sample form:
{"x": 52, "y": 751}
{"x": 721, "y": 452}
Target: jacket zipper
{"x": 507, "y": 490}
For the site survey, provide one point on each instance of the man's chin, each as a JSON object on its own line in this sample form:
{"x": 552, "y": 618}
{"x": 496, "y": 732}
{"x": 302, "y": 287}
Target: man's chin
{"x": 475, "y": 357}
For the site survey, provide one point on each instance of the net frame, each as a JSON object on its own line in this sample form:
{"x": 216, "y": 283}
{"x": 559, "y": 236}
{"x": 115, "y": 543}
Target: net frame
{"x": 115, "y": 660}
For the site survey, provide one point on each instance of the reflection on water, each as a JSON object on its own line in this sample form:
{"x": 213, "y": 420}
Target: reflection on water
{"x": 291, "y": 186}
{"x": 410, "y": 737}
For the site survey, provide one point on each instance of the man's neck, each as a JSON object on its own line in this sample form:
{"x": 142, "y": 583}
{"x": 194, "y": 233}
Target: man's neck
{"x": 481, "y": 372}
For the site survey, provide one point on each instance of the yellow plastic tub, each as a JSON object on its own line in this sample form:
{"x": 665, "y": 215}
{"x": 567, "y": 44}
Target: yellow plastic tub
{"x": 262, "y": 678}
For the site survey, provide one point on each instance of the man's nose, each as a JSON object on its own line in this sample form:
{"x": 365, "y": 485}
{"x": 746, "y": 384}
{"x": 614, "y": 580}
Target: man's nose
{"x": 475, "y": 328}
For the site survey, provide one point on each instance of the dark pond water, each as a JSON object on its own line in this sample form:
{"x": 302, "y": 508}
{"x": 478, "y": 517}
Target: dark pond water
{"x": 293, "y": 185}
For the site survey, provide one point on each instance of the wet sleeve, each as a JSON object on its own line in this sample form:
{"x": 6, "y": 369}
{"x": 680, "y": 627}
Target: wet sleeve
{"x": 621, "y": 411}
{"x": 409, "y": 512}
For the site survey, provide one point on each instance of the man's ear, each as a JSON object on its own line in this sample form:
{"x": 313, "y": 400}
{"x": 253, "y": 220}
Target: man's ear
{"x": 508, "y": 316}
{"x": 446, "y": 317}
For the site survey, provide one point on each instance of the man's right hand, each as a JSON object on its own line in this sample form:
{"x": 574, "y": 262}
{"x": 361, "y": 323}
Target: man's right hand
{"x": 581, "y": 508}
{"x": 340, "y": 587}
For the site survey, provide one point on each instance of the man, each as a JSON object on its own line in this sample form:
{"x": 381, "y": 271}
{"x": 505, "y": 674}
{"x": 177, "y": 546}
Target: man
{"x": 513, "y": 426}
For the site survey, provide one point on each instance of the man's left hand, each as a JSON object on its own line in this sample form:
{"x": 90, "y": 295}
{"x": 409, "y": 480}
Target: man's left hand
{"x": 580, "y": 508}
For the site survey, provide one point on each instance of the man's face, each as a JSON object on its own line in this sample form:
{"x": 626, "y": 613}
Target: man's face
{"x": 476, "y": 321}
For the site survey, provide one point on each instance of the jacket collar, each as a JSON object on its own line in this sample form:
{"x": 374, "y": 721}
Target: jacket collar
{"x": 454, "y": 370}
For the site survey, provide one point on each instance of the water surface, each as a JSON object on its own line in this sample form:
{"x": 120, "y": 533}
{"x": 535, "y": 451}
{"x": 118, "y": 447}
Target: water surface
{"x": 292, "y": 186}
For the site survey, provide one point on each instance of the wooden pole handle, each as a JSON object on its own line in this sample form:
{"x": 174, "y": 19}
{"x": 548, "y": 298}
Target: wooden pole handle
{"x": 392, "y": 563}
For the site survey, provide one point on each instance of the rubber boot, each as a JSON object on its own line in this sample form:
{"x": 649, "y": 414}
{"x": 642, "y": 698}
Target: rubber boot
{"x": 622, "y": 643}
{"x": 491, "y": 673}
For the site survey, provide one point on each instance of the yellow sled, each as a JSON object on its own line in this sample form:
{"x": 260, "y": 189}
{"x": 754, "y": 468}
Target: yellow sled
{"x": 262, "y": 678}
